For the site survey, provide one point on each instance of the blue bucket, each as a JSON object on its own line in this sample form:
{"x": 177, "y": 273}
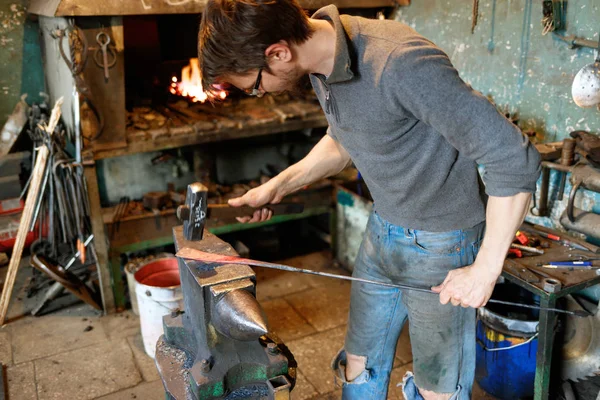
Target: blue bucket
{"x": 506, "y": 347}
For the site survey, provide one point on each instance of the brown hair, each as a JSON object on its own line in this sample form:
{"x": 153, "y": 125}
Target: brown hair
{"x": 234, "y": 34}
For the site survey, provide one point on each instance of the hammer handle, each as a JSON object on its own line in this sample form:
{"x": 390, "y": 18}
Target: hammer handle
{"x": 226, "y": 211}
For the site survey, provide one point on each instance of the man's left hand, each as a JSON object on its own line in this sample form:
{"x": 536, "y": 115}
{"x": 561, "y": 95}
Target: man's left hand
{"x": 469, "y": 286}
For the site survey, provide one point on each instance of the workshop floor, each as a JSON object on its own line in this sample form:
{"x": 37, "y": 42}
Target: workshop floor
{"x": 77, "y": 354}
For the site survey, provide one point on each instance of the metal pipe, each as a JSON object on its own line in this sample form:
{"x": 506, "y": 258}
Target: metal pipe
{"x": 544, "y": 187}
{"x": 556, "y": 166}
{"x": 574, "y": 41}
{"x": 210, "y": 258}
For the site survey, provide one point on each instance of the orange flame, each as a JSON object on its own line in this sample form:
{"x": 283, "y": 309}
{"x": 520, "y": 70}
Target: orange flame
{"x": 191, "y": 84}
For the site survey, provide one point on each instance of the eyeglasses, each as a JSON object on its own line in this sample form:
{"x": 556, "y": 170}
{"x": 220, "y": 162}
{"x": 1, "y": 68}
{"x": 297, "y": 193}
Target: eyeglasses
{"x": 255, "y": 90}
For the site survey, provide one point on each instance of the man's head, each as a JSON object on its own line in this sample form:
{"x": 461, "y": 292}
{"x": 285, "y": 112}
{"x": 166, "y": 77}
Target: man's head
{"x": 245, "y": 42}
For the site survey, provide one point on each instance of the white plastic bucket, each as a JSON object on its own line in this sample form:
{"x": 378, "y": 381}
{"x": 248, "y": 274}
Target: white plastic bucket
{"x": 158, "y": 292}
{"x": 130, "y": 269}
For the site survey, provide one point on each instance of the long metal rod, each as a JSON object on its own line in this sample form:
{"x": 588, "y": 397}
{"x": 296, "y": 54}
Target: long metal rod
{"x": 197, "y": 255}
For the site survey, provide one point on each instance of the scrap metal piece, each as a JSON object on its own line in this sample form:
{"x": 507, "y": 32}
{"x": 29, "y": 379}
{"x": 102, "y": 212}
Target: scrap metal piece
{"x": 209, "y": 259}
{"x": 581, "y": 349}
{"x": 521, "y": 272}
{"x": 71, "y": 282}
{"x": 551, "y": 285}
{"x": 279, "y": 388}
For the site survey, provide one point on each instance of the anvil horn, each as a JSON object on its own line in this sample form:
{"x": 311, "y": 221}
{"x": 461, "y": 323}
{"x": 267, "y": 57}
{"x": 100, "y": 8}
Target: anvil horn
{"x": 239, "y": 316}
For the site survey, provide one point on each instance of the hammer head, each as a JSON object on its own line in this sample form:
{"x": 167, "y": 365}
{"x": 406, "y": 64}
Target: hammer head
{"x": 193, "y": 213}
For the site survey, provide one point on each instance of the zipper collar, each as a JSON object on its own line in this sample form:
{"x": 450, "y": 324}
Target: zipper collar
{"x": 342, "y": 65}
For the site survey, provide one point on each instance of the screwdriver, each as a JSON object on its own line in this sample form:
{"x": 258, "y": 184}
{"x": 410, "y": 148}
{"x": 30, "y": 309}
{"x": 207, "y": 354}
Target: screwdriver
{"x": 211, "y": 258}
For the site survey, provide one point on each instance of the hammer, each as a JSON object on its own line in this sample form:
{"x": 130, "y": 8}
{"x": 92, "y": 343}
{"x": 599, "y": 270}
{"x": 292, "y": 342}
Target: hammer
{"x": 196, "y": 210}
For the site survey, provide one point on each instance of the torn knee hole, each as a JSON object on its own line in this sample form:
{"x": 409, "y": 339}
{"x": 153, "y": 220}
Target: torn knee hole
{"x": 355, "y": 365}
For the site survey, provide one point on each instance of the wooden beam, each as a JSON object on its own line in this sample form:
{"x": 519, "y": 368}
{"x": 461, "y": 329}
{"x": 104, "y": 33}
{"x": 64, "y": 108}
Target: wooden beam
{"x": 27, "y": 216}
{"x": 188, "y": 136}
{"x": 100, "y": 241}
{"x": 66, "y": 8}
{"x": 108, "y": 95}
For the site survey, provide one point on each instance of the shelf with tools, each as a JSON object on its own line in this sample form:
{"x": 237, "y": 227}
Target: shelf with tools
{"x": 184, "y": 124}
{"x": 132, "y": 228}
{"x": 150, "y": 121}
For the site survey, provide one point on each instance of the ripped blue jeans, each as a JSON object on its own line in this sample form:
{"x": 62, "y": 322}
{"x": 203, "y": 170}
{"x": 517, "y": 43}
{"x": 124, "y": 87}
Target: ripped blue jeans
{"x": 442, "y": 336}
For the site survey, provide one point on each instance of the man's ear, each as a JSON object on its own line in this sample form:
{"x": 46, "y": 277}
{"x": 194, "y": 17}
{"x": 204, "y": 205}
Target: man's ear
{"x": 279, "y": 52}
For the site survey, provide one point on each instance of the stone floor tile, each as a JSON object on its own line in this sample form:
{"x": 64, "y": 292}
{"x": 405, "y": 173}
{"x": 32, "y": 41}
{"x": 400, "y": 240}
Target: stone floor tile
{"x": 335, "y": 395}
{"x": 314, "y": 354}
{"x": 121, "y": 325}
{"x": 20, "y": 381}
{"x": 34, "y": 337}
{"x": 143, "y": 391}
{"x": 87, "y": 373}
{"x": 144, "y": 362}
{"x": 325, "y": 307}
{"x": 285, "y": 321}
{"x": 5, "y": 349}
{"x": 403, "y": 350}
{"x": 303, "y": 389}
{"x": 272, "y": 283}
{"x": 321, "y": 262}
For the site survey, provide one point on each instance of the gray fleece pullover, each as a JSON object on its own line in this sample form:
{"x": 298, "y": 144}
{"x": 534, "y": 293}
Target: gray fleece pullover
{"x": 415, "y": 130}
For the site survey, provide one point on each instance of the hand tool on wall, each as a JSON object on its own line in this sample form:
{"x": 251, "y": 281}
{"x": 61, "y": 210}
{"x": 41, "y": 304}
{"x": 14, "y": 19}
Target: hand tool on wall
{"x": 101, "y": 56}
{"x": 475, "y": 15}
{"x": 76, "y": 61}
{"x": 211, "y": 258}
{"x": 196, "y": 210}
{"x": 27, "y": 215}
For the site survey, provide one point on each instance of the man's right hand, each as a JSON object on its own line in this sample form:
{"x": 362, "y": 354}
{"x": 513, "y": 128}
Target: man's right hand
{"x": 257, "y": 197}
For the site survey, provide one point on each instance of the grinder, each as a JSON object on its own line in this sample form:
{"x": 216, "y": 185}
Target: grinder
{"x": 218, "y": 347}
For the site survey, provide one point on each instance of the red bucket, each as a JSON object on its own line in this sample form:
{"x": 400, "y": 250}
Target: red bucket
{"x": 163, "y": 272}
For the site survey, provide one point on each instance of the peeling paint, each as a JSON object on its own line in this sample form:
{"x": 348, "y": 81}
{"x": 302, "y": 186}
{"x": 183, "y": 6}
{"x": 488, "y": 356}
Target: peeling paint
{"x": 497, "y": 60}
{"x": 11, "y": 18}
{"x": 12, "y": 23}
{"x": 501, "y": 55}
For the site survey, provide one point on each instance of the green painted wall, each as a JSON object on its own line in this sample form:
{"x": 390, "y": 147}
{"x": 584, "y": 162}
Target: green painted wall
{"x": 508, "y": 58}
{"x": 12, "y": 18}
{"x": 20, "y": 58}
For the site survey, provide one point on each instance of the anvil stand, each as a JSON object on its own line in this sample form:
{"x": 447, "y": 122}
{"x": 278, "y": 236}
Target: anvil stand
{"x": 218, "y": 347}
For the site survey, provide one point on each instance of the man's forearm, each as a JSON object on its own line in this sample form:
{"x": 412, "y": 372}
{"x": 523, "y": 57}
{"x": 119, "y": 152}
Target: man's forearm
{"x": 504, "y": 216}
{"x": 327, "y": 158}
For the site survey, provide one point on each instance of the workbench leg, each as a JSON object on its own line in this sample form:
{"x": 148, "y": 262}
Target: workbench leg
{"x": 117, "y": 278}
{"x": 545, "y": 347}
{"x": 100, "y": 242}
{"x": 333, "y": 231}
